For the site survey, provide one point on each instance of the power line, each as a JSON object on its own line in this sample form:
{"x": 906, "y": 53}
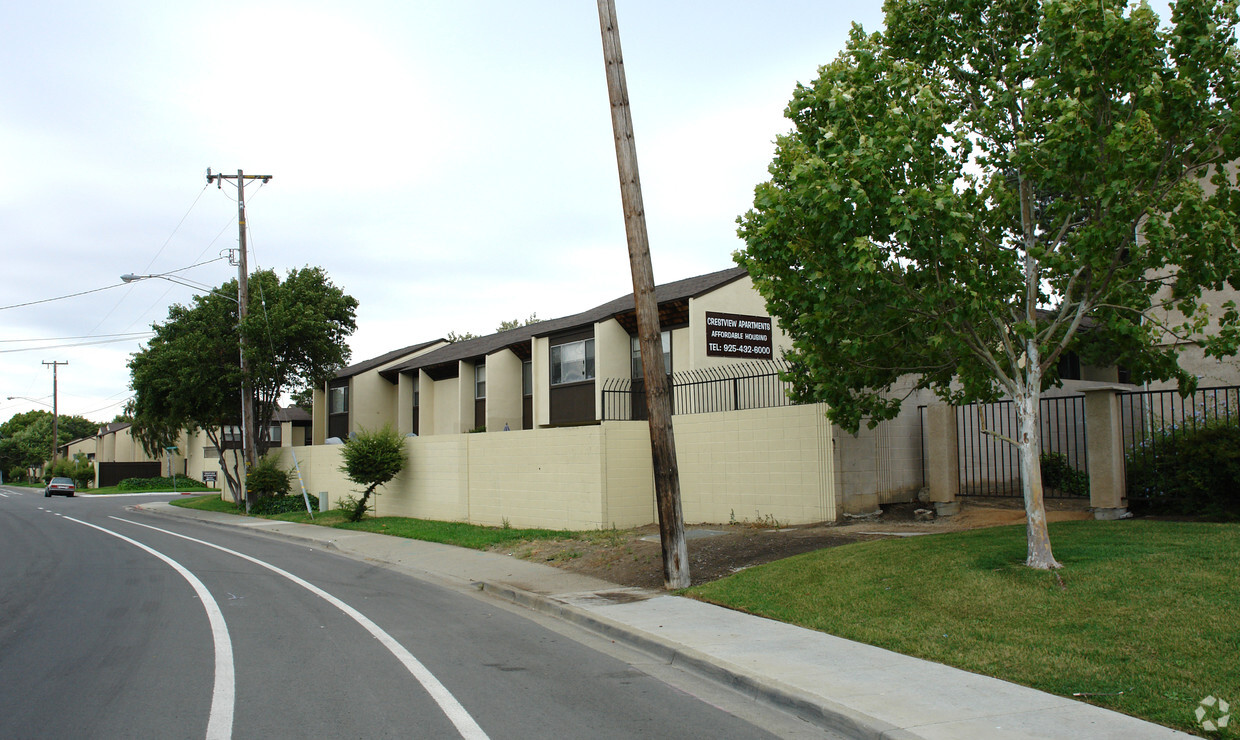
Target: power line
{"x": 60, "y": 298}
{"x": 62, "y": 346}
{"x": 84, "y": 336}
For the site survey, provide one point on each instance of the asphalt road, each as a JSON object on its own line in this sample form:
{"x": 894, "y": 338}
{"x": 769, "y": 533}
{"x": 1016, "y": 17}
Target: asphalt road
{"x": 119, "y": 624}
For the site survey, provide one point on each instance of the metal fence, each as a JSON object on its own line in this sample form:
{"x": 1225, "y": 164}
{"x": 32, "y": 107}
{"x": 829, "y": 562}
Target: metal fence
{"x": 1151, "y": 419}
{"x": 990, "y": 465}
{"x": 728, "y": 388}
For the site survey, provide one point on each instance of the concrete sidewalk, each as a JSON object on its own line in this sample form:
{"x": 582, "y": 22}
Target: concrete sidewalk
{"x": 854, "y": 689}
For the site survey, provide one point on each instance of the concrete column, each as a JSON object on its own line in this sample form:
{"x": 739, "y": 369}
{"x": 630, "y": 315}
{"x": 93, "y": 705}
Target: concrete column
{"x": 1105, "y": 446}
{"x": 942, "y": 451}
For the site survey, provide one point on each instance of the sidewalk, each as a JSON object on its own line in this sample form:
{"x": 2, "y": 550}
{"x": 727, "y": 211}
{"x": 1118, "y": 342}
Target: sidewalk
{"x": 854, "y": 689}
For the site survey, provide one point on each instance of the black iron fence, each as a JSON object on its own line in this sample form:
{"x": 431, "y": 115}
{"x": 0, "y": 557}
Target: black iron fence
{"x": 1151, "y": 419}
{"x": 990, "y": 463}
{"x": 728, "y": 388}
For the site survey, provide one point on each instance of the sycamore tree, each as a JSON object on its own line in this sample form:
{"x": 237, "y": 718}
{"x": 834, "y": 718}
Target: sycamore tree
{"x": 189, "y": 375}
{"x": 985, "y": 186}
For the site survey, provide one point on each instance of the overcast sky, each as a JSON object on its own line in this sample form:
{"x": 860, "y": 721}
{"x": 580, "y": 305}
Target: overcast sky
{"x": 450, "y": 164}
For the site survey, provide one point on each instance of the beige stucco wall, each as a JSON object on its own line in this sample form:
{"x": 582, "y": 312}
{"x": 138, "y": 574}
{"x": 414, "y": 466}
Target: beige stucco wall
{"x": 503, "y": 391}
{"x": 540, "y": 365}
{"x": 612, "y": 353}
{"x": 426, "y": 405}
{"x": 318, "y": 417}
{"x": 764, "y": 464}
{"x": 735, "y": 297}
{"x": 447, "y": 406}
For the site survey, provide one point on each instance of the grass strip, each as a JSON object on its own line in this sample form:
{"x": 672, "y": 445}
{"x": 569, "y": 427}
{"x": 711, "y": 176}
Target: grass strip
{"x": 449, "y": 533}
{"x": 1143, "y": 619}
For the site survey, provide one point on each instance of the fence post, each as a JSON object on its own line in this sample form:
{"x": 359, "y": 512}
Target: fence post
{"x": 1104, "y": 437}
{"x": 942, "y": 458}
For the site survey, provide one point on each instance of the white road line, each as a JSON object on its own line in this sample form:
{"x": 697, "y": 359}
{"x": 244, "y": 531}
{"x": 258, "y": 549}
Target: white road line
{"x": 456, "y": 713}
{"x": 223, "y": 697}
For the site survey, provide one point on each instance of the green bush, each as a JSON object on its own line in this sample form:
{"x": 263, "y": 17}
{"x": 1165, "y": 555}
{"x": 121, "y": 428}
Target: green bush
{"x": 268, "y": 479}
{"x": 1061, "y": 475}
{"x": 283, "y": 504}
{"x": 158, "y": 484}
{"x": 1187, "y": 472}
{"x": 372, "y": 459}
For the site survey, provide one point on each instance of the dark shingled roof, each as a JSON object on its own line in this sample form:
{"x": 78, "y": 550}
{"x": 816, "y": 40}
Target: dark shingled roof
{"x": 361, "y": 367}
{"x": 472, "y": 349}
{"x": 291, "y": 413}
{"x": 115, "y": 426}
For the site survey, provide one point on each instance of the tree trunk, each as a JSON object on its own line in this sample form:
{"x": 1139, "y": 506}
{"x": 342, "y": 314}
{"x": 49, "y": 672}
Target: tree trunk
{"x": 1029, "y": 444}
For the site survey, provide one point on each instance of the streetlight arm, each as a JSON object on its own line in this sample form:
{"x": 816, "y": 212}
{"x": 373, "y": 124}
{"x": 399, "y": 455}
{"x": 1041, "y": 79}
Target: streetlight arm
{"x": 129, "y": 277}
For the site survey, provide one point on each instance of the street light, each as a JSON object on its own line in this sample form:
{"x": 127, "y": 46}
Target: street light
{"x": 247, "y": 433}
{"x": 32, "y": 400}
{"x": 129, "y": 277}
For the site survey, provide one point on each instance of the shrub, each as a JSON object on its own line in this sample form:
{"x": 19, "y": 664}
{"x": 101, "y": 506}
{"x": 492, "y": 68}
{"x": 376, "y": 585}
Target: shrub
{"x": 268, "y": 479}
{"x": 158, "y": 484}
{"x": 1187, "y": 472}
{"x": 372, "y": 459}
{"x": 283, "y": 504}
{"x": 1060, "y": 474}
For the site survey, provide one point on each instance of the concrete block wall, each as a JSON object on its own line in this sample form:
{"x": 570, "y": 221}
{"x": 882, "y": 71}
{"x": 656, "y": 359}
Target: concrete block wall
{"x": 628, "y": 475}
{"x": 742, "y": 465}
{"x": 537, "y": 478}
{"x": 754, "y": 465}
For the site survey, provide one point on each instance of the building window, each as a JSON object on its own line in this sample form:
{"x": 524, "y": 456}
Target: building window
{"x": 527, "y": 378}
{"x": 231, "y": 434}
{"x": 338, "y": 399}
{"x": 572, "y": 362}
{"x": 274, "y": 434}
{"x": 417, "y": 399}
{"x": 480, "y": 381}
{"x": 636, "y": 351}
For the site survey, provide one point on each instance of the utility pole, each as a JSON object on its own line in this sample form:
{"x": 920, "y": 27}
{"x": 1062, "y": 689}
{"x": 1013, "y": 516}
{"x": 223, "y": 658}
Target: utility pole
{"x": 658, "y": 402}
{"x": 248, "y": 448}
{"x": 55, "y": 411}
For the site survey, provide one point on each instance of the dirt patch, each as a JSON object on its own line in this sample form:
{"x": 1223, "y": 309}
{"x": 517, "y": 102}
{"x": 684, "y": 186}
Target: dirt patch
{"x": 632, "y": 557}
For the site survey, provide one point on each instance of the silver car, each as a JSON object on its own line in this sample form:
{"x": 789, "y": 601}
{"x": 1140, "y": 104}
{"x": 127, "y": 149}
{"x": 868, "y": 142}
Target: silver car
{"x": 60, "y": 487}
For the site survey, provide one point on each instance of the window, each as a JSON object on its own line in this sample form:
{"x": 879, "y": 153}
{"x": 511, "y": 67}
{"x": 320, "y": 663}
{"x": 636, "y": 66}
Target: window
{"x": 417, "y": 399}
{"x": 231, "y": 434}
{"x": 527, "y": 378}
{"x": 572, "y": 362}
{"x": 274, "y": 434}
{"x": 636, "y": 350}
{"x": 480, "y": 381}
{"x": 338, "y": 399}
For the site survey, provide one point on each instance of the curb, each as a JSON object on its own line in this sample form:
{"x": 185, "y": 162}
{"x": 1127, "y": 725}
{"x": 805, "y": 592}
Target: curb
{"x": 820, "y": 712}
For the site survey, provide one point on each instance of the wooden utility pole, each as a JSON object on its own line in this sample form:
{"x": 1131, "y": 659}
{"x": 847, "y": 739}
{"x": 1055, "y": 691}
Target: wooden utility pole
{"x": 55, "y": 410}
{"x": 248, "y": 441}
{"x": 658, "y": 403}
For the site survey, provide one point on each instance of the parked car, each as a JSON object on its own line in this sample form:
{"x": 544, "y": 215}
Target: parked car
{"x": 60, "y": 487}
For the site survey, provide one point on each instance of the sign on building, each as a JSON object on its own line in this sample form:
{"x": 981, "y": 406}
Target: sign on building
{"x": 737, "y": 335}
{"x": 208, "y": 476}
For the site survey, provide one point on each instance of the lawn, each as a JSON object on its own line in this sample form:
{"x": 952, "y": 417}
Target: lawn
{"x": 449, "y": 533}
{"x": 1144, "y": 619}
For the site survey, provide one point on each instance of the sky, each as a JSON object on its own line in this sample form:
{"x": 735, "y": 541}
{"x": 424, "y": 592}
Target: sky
{"x": 450, "y": 164}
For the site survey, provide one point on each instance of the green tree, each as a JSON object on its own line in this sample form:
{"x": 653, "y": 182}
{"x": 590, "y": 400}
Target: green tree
{"x": 370, "y": 460}
{"x": 26, "y": 439}
{"x": 517, "y": 323}
{"x": 985, "y": 186}
{"x": 189, "y": 377}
